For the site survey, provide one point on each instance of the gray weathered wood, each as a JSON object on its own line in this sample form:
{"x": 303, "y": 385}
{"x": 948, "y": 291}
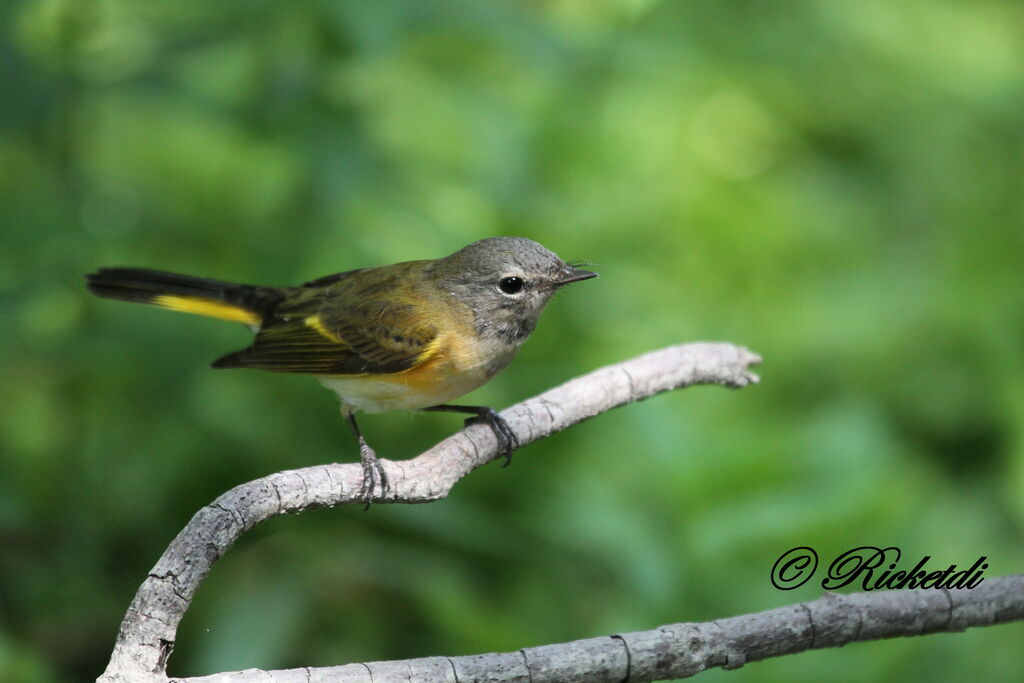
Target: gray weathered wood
{"x": 149, "y": 628}
{"x": 684, "y": 650}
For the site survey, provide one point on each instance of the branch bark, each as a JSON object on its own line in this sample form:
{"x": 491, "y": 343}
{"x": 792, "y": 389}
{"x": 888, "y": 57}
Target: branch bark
{"x": 684, "y": 650}
{"x": 147, "y": 634}
{"x": 148, "y": 631}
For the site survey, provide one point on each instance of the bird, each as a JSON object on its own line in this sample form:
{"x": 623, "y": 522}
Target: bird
{"x": 406, "y": 336}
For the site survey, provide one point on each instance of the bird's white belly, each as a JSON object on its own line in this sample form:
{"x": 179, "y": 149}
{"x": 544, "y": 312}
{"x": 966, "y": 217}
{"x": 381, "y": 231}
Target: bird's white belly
{"x": 438, "y": 380}
{"x": 379, "y": 396}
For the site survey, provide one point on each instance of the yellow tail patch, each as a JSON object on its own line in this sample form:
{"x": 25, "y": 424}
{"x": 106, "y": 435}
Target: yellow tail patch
{"x": 208, "y": 307}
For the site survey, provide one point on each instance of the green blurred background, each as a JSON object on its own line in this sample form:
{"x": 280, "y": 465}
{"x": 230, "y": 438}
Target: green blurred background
{"x": 836, "y": 185}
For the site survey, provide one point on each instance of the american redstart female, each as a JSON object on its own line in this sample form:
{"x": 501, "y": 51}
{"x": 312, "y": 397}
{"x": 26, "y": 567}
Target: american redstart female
{"x": 409, "y": 336}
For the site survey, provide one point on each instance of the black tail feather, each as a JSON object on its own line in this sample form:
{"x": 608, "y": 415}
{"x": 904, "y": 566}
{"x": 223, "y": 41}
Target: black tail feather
{"x": 144, "y": 286}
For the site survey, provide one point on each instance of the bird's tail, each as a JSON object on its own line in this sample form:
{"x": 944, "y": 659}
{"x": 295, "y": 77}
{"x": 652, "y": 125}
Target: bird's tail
{"x": 241, "y": 303}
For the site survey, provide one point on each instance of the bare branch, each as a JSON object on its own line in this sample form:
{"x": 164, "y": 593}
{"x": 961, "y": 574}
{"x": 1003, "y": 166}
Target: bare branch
{"x": 148, "y": 632}
{"x": 684, "y": 650}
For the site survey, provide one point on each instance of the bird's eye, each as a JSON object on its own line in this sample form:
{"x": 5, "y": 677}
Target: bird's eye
{"x": 511, "y": 285}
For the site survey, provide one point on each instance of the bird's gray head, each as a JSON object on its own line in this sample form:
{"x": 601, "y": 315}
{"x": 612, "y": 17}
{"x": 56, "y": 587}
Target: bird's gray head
{"x": 506, "y": 281}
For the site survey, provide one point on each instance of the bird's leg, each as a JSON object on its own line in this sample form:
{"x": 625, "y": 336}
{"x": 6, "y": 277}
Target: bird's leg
{"x": 507, "y": 441}
{"x": 372, "y": 469}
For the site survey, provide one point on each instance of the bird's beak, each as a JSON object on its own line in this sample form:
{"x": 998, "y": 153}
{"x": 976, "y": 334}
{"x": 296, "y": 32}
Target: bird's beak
{"x": 569, "y": 274}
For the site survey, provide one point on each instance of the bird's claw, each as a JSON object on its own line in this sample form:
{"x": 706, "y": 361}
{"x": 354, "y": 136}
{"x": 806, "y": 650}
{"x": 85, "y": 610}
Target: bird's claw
{"x": 507, "y": 440}
{"x": 373, "y": 472}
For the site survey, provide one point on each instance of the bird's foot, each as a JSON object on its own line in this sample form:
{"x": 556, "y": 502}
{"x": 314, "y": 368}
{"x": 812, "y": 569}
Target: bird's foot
{"x": 507, "y": 441}
{"x": 373, "y": 472}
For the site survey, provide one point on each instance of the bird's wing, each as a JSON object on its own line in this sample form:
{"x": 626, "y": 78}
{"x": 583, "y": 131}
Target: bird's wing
{"x": 342, "y": 333}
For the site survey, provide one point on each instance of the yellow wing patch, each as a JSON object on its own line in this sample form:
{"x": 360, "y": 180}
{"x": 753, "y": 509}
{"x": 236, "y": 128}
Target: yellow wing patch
{"x": 314, "y": 322}
{"x": 430, "y": 352}
{"x": 208, "y": 307}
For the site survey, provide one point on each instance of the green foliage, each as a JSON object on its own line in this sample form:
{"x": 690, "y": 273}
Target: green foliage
{"x": 835, "y": 185}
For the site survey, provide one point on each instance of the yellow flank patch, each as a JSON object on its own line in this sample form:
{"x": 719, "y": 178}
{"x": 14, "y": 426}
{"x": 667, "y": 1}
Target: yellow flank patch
{"x": 431, "y": 352}
{"x": 208, "y": 307}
